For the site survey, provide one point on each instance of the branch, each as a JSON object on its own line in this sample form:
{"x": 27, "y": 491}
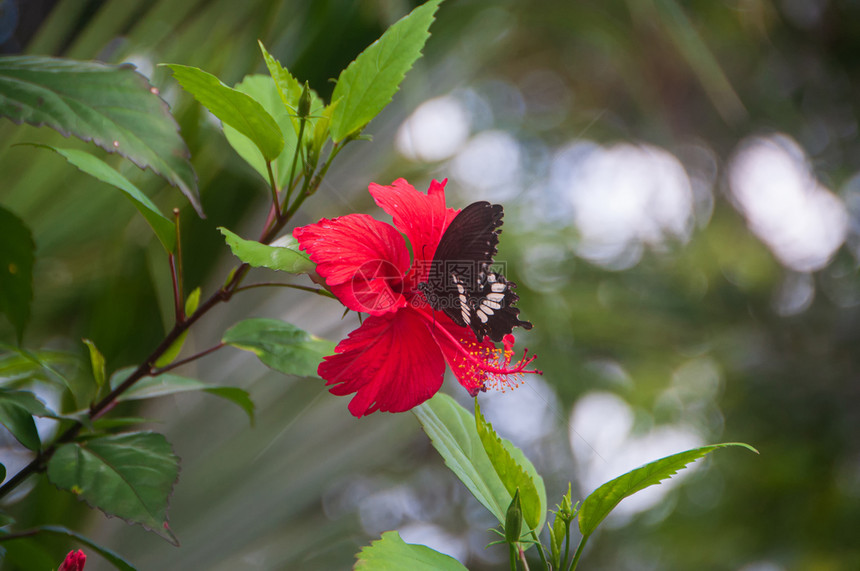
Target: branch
{"x": 181, "y": 362}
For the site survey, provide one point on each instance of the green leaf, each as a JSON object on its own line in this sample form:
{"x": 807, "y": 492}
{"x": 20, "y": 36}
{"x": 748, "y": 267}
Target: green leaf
{"x": 114, "y": 558}
{"x": 21, "y": 365}
{"x": 259, "y": 255}
{"x": 557, "y": 535}
{"x": 236, "y": 396}
{"x": 192, "y": 301}
{"x": 113, "y": 106}
{"x": 262, "y": 89}
{"x": 28, "y": 401}
{"x": 97, "y": 361}
{"x": 233, "y": 108}
{"x": 2, "y": 477}
{"x": 173, "y": 351}
{"x": 19, "y": 422}
{"x": 287, "y": 86}
{"x": 169, "y": 384}
{"x": 279, "y": 345}
{"x": 16, "y": 268}
{"x": 163, "y": 227}
{"x": 391, "y": 553}
{"x": 452, "y": 431}
{"x": 130, "y": 476}
{"x": 603, "y": 500}
{"x": 367, "y": 85}
{"x": 515, "y": 471}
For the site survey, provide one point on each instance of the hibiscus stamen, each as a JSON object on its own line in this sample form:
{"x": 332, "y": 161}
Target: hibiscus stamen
{"x": 479, "y": 366}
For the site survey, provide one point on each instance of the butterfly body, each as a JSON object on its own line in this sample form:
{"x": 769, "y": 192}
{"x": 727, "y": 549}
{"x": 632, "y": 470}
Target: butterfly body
{"x": 461, "y": 282}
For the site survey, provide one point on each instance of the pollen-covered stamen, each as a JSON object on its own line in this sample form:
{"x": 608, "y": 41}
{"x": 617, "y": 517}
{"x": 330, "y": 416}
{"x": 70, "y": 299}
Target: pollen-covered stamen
{"x": 479, "y": 366}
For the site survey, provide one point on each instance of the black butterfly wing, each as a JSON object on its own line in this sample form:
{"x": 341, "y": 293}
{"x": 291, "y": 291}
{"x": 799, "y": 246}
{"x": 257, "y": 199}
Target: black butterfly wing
{"x": 492, "y": 308}
{"x": 465, "y": 288}
{"x": 466, "y": 248}
{"x": 472, "y": 236}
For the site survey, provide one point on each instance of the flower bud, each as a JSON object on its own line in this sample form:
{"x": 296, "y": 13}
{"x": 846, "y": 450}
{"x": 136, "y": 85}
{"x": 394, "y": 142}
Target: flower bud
{"x": 514, "y": 520}
{"x": 74, "y": 561}
{"x": 305, "y": 102}
{"x": 566, "y": 509}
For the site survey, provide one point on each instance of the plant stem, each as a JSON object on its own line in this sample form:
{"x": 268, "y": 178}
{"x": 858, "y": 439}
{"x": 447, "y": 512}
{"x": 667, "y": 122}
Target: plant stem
{"x": 522, "y": 554}
{"x": 178, "y": 310}
{"x": 540, "y": 550}
{"x": 513, "y": 553}
{"x": 276, "y": 203}
{"x": 179, "y": 363}
{"x": 578, "y": 553}
{"x": 312, "y": 184}
{"x": 179, "y": 270}
{"x": 295, "y": 159}
{"x": 19, "y": 534}
{"x": 566, "y": 545}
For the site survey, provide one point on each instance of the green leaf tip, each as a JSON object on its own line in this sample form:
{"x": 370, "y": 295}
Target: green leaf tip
{"x": 233, "y": 108}
{"x": 97, "y": 361}
{"x": 603, "y": 500}
{"x": 19, "y": 422}
{"x": 279, "y": 345}
{"x": 167, "y": 384}
{"x": 164, "y": 228}
{"x": 130, "y": 476}
{"x": 367, "y": 85}
{"x": 391, "y": 553}
{"x": 258, "y": 255}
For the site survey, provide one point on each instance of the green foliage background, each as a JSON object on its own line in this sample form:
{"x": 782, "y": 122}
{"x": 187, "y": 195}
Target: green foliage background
{"x": 658, "y": 71}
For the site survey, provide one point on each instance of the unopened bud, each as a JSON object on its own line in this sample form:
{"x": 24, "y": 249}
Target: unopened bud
{"x": 514, "y": 520}
{"x": 565, "y": 510}
{"x": 305, "y": 102}
{"x": 74, "y": 561}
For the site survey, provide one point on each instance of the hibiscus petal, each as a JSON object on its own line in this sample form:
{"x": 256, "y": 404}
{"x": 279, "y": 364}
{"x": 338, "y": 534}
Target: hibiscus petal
{"x": 462, "y": 352}
{"x": 363, "y": 260}
{"x": 391, "y": 362}
{"x": 422, "y": 217}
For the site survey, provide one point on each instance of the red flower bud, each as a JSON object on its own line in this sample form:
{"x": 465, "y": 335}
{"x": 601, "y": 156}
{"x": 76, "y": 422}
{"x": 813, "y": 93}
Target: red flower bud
{"x": 74, "y": 561}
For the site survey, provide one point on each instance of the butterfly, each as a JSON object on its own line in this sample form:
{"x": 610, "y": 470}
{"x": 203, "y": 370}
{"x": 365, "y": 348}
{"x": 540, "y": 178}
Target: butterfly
{"x": 461, "y": 282}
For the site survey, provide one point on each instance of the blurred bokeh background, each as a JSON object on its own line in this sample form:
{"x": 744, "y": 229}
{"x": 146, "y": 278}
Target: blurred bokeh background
{"x": 682, "y": 199}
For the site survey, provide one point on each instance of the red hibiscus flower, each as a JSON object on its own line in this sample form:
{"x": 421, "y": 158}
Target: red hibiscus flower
{"x": 396, "y": 359}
